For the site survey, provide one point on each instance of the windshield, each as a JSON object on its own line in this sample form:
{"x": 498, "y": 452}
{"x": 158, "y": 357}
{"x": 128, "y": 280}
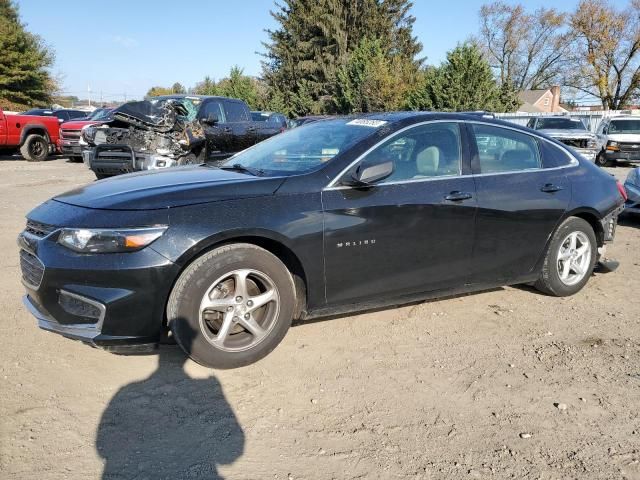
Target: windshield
{"x": 100, "y": 114}
{"x": 560, "y": 124}
{"x": 305, "y": 148}
{"x": 192, "y": 104}
{"x": 624, "y": 126}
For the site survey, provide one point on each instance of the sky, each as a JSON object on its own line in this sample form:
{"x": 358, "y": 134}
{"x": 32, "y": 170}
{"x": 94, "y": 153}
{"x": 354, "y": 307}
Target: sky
{"x": 119, "y": 49}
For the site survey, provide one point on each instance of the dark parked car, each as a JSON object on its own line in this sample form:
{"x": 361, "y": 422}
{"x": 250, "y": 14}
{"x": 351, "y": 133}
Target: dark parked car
{"x": 298, "y": 122}
{"x": 169, "y": 131}
{"x": 632, "y": 186}
{"x": 325, "y": 218}
{"x": 63, "y": 114}
{"x": 276, "y": 121}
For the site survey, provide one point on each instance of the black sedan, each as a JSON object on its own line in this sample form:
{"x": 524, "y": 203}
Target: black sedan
{"x": 337, "y": 215}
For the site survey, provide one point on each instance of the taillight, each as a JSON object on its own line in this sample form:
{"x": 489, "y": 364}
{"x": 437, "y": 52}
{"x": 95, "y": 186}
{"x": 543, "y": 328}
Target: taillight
{"x": 622, "y": 191}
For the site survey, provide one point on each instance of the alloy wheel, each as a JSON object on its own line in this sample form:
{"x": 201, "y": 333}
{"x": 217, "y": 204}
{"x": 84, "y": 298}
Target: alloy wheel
{"x": 574, "y": 258}
{"x": 239, "y": 310}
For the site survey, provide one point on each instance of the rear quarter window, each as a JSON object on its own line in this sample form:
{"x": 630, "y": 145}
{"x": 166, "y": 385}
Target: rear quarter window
{"x": 505, "y": 150}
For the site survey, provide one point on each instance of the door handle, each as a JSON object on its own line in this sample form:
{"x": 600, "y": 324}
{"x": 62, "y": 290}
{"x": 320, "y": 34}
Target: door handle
{"x": 550, "y": 188}
{"x": 458, "y": 196}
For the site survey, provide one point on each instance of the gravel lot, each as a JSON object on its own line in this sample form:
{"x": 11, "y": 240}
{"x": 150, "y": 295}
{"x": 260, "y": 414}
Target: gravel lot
{"x": 507, "y": 383}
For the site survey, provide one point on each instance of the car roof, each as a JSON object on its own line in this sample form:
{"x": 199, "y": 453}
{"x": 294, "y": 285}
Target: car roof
{"x": 187, "y": 95}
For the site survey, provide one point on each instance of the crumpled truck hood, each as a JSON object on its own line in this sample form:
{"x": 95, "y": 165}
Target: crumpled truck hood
{"x": 573, "y": 134}
{"x": 174, "y": 187}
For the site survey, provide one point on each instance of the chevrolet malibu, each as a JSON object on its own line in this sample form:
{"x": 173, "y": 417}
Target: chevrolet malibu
{"x": 340, "y": 215}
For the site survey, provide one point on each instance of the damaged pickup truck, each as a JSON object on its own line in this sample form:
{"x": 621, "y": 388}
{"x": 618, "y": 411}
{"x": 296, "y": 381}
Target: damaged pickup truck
{"x": 570, "y": 131}
{"x": 169, "y": 131}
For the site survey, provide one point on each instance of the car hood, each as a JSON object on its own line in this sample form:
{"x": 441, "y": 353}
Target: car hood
{"x": 174, "y": 187}
{"x": 558, "y": 133}
{"x": 77, "y": 124}
{"x": 624, "y": 137}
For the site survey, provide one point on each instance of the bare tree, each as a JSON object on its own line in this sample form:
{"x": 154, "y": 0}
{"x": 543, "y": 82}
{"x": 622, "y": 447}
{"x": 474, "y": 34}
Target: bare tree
{"x": 527, "y": 50}
{"x": 605, "y": 55}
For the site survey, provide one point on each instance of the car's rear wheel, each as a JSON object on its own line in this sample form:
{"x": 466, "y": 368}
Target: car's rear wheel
{"x": 232, "y": 306}
{"x": 35, "y": 148}
{"x": 570, "y": 258}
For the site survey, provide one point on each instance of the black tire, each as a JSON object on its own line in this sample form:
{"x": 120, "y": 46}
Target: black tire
{"x": 183, "y": 308}
{"x": 550, "y": 281}
{"x": 75, "y": 159}
{"x": 101, "y": 176}
{"x": 601, "y": 160}
{"x": 35, "y": 148}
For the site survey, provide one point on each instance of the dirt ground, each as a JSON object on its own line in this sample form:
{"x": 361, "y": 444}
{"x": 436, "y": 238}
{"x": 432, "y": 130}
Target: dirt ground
{"x": 501, "y": 384}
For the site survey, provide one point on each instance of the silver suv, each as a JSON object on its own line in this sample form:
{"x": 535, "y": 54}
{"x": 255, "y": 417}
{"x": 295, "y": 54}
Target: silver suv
{"x": 619, "y": 140}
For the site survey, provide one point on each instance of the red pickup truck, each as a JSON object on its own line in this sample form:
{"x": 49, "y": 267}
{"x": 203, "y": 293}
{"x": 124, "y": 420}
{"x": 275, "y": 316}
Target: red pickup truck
{"x": 35, "y": 136}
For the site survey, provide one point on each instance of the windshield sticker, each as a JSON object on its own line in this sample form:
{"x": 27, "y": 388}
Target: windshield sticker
{"x": 365, "y": 122}
{"x": 330, "y": 151}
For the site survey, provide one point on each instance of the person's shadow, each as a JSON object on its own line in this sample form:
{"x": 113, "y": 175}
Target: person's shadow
{"x": 168, "y": 426}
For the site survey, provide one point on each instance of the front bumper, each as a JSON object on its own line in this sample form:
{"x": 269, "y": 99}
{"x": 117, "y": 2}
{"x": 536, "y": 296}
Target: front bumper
{"x": 70, "y": 147}
{"x": 119, "y": 159}
{"x": 632, "y": 205}
{"x": 631, "y": 157}
{"x": 118, "y": 299}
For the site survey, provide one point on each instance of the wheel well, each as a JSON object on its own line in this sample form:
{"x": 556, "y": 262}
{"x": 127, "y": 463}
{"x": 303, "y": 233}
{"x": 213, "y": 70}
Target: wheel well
{"x": 592, "y": 220}
{"x": 278, "y": 249}
{"x": 36, "y": 131}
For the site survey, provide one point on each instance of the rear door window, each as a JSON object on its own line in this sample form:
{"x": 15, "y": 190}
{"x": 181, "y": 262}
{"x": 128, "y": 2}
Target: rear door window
{"x": 504, "y": 150}
{"x": 236, "y": 112}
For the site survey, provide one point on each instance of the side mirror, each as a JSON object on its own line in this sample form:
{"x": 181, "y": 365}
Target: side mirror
{"x": 211, "y": 119}
{"x": 363, "y": 176}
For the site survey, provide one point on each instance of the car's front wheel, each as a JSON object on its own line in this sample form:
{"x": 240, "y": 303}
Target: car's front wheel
{"x": 601, "y": 160}
{"x": 232, "y": 306}
{"x": 570, "y": 258}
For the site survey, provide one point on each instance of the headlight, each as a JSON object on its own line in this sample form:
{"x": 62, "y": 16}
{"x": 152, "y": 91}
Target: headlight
{"x": 613, "y": 146}
{"x": 88, "y": 132}
{"x": 91, "y": 240}
{"x": 592, "y": 143}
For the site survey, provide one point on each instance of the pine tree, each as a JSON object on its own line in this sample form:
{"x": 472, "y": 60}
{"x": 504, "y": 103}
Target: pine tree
{"x": 24, "y": 61}
{"x": 178, "y": 88}
{"x": 464, "y": 82}
{"x": 316, "y": 38}
{"x": 239, "y": 85}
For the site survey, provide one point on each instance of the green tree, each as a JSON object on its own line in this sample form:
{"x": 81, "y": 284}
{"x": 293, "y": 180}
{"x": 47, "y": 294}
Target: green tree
{"x": 25, "y": 80}
{"x": 238, "y": 85}
{"x": 178, "y": 88}
{"x": 464, "y": 82}
{"x": 371, "y": 80}
{"x": 206, "y": 87}
{"x": 158, "y": 91}
{"x": 314, "y": 39}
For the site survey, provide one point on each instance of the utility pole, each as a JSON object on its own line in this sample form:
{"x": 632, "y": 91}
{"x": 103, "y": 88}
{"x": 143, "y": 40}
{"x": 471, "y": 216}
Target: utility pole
{"x": 89, "y": 93}
{"x": 101, "y": 101}
{"x": 125, "y": 97}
